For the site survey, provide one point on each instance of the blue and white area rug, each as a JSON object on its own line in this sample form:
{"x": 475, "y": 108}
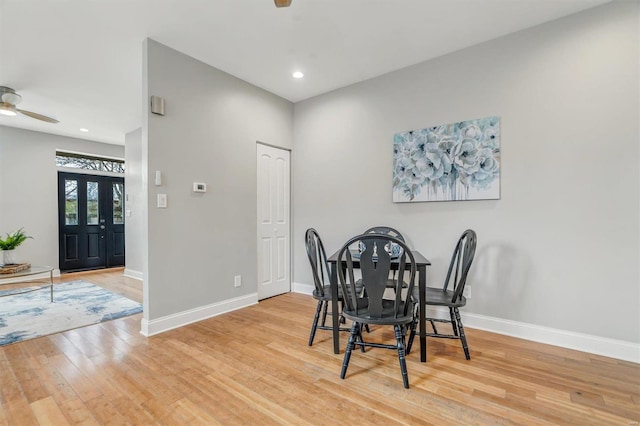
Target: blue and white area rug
{"x": 75, "y": 304}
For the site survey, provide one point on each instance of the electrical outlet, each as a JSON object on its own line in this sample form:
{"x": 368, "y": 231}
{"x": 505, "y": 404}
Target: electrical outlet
{"x": 237, "y": 281}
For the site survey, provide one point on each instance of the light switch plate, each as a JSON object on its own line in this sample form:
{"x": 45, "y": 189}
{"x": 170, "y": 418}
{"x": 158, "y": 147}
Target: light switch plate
{"x": 162, "y": 201}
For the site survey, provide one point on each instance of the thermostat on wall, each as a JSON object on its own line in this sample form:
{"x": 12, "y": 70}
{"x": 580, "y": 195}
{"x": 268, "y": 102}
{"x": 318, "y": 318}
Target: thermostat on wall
{"x": 199, "y": 187}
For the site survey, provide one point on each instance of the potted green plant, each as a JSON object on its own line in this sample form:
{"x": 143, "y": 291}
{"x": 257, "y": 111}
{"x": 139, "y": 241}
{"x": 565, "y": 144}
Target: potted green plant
{"x": 9, "y": 244}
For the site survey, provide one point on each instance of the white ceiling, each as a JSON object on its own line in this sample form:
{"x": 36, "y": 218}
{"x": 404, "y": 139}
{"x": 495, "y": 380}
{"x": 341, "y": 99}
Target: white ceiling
{"x": 80, "y": 61}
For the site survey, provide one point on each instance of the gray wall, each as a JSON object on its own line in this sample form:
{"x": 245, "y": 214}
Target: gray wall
{"x": 29, "y": 187}
{"x": 209, "y": 133}
{"x": 560, "y": 249}
{"x": 134, "y": 201}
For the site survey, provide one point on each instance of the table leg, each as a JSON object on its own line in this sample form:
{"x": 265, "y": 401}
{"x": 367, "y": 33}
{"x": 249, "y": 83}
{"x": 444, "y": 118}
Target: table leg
{"x": 51, "y": 284}
{"x": 422, "y": 288}
{"x": 335, "y": 314}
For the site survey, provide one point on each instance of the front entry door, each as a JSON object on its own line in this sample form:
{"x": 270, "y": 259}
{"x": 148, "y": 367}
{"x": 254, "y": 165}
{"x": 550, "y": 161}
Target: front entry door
{"x": 274, "y": 237}
{"x": 91, "y": 221}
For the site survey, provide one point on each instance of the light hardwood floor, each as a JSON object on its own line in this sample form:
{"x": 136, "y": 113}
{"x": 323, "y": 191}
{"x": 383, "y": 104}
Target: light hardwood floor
{"x": 253, "y": 366}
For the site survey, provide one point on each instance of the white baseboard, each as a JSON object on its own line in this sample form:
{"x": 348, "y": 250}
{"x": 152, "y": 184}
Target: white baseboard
{"x": 618, "y": 349}
{"x": 604, "y": 346}
{"x": 302, "y": 288}
{"x": 132, "y": 273}
{"x": 169, "y": 322}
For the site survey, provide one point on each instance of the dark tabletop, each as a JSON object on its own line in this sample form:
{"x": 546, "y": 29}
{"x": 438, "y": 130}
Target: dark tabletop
{"x": 420, "y": 259}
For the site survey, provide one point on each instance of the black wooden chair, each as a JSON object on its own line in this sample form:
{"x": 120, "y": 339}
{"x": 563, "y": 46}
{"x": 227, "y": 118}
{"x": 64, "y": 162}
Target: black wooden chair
{"x": 391, "y": 248}
{"x": 386, "y": 230}
{"x": 451, "y": 294}
{"x": 321, "y": 279}
{"x": 375, "y": 264}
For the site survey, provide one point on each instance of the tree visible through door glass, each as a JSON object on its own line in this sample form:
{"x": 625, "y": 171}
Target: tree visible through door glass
{"x": 118, "y": 188}
{"x": 70, "y": 202}
{"x": 92, "y": 203}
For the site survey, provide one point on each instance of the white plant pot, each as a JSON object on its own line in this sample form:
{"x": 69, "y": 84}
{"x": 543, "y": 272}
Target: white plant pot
{"x": 9, "y": 257}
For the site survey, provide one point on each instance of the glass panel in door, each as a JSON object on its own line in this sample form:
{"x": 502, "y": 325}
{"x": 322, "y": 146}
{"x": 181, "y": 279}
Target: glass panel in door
{"x": 93, "y": 204}
{"x": 118, "y": 189}
{"x": 70, "y": 202}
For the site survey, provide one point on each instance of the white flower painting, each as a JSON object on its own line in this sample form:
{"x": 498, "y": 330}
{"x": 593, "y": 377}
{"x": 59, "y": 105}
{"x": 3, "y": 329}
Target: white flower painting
{"x": 459, "y": 161}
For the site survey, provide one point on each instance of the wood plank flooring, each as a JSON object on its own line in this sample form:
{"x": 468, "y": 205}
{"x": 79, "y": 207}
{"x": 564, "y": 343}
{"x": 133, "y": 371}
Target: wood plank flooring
{"x": 253, "y": 366}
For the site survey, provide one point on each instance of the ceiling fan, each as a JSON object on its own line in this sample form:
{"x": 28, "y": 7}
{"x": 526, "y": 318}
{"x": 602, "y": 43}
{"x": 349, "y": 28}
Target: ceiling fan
{"x": 8, "y": 101}
{"x": 282, "y": 3}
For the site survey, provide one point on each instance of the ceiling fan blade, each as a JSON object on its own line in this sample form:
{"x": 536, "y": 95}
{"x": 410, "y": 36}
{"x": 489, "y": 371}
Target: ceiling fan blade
{"x": 7, "y": 109}
{"x": 37, "y": 116}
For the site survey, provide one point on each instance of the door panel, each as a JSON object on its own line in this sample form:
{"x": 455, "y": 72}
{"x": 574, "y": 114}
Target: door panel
{"x": 93, "y": 246}
{"x": 282, "y": 264}
{"x": 266, "y": 262}
{"x": 281, "y": 203}
{"x": 264, "y": 188}
{"x": 71, "y": 247}
{"x": 273, "y": 221}
{"x": 88, "y": 207}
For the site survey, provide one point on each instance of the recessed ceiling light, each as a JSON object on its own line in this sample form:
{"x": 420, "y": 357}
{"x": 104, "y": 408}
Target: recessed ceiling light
{"x": 297, "y": 74}
{"x": 84, "y": 130}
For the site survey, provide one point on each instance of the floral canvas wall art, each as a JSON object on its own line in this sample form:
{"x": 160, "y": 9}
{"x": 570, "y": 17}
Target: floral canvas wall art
{"x": 459, "y": 161}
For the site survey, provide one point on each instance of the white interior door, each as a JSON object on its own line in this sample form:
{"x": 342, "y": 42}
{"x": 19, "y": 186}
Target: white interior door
{"x": 274, "y": 233}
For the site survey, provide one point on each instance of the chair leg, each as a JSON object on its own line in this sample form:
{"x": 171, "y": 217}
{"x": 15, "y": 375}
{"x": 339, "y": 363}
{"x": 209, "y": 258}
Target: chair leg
{"x": 324, "y": 313}
{"x": 412, "y": 333}
{"x": 360, "y": 337}
{"x": 463, "y": 338}
{"x": 433, "y": 325}
{"x": 350, "y": 346}
{"x": 401, "y": 354}
{"x": 454, "y": 324}
{"x": 314, "y": 326}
